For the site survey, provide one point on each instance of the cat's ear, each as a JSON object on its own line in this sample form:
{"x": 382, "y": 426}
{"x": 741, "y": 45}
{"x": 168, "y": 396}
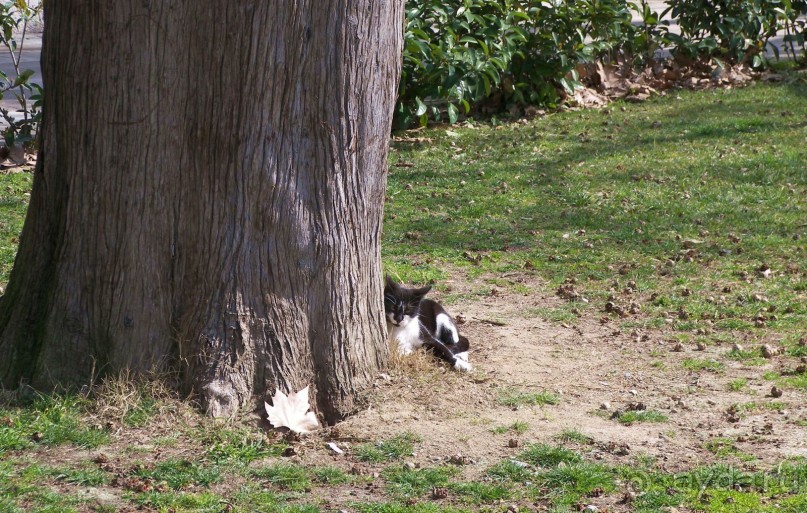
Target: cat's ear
{"x": 422, "y": 291}
{"x": 389, "y": 282}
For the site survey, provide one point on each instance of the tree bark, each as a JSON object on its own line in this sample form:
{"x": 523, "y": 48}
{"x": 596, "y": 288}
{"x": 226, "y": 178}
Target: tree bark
{"x": 208, "y": 198}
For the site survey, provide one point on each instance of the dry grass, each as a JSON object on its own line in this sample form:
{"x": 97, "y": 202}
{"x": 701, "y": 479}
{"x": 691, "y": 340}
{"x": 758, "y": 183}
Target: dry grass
{"x": 139, "y": 401}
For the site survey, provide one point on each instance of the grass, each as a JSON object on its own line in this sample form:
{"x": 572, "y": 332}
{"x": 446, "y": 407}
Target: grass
{"x": 616, "y": 203}
{"x": 179, "y": 473}
{"x": 404, "y": 482}
{"x": 50, "y": 421}
{"x": 516, "y": 398}
{"x": 738, "y": 385}
{"x": 722, "y": 447}
{"x": 695, "y": 364}
{"x": 517, "y": 427}
{"x": 610, "y": 200}
{"x": 13, "y": 206}
{"x": 285, "y": 476}
{"x": 238, "y": 446}
{"x": 574, "y": 436}
{"x": 547, "y": 456}
{"x": 634, "y": 417}
{"x": 331, "y": 476}
{"x": 202, "y": 502}
{"x": 393, "y": 448}
{"x": 479, "y": 493}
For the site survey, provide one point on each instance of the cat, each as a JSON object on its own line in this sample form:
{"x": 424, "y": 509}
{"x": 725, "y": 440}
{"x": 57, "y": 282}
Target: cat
{"x": 413, "y": 321}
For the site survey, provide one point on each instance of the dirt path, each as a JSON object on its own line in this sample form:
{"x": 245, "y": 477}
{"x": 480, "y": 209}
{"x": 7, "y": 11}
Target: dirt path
{"x": 585, "y": 364}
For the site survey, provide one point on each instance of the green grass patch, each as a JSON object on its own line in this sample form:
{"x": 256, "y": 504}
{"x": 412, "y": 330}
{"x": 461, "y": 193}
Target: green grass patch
{"x": 238, "y": 446}
{"x": 738, "y": 385}
{"x": 695, "y": 364}
{"x": 255, "y": 498}
{"x": 746, "y": 356}
{"x": 479, "y": 493}
{"x": 87, "y": 474}
{"x": 566, "y": 484}
{"x": 510, "y": 470}
{"x": 574, "y": 436}
{"x": 14, "y": 188}
{"x": 634, "y": 417}
{"x": 518, "y": 398}
{"x": 393, "y": 448}
{"x": 26, "y": 486}
{"x": 408, "y": 507}
{"x": 182, "y": 502}
{"x": 722, "y": 447}
{"x": 617, "y": 197}
{"x": 548, "y": 456}
{"x": 517, "y": 427}
{"x": 178, "y": 473}
{"x": 798, "y": 381}
{"x": 404, "y": 482}
{"x": 285, "y": 476}
{"x": 330, "y": 476}
{"x": 48, "y": 420}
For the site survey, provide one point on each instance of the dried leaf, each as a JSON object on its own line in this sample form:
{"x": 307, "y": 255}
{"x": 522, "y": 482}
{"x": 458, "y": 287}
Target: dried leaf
{"x": 292, "y": 412}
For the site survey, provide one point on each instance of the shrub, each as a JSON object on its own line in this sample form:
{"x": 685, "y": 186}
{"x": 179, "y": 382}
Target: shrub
{"x": 460, "y": 54}
{"x": 734, "y": 30}
{"x": 14, "y": 18}
{"x": 467, "y": 56}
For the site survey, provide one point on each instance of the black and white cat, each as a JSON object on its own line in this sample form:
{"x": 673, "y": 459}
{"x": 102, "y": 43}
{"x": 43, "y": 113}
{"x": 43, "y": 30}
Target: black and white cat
{"x": 413, "y": 321}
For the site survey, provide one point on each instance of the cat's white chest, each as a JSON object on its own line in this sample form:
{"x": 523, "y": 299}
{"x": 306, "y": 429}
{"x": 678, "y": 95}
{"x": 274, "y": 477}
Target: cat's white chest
{"x": 407, "y": 335}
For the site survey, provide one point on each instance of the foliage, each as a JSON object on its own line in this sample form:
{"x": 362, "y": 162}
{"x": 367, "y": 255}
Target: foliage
{"x": 459, "y": 53}
{"x": 467, "y": 56}
{"x": 14, "y": 19}
{"x": 734, "y": 30}
{"x": 795, "y": 26}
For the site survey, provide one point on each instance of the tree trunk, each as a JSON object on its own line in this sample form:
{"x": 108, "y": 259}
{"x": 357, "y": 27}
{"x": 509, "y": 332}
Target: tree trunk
{"x": 208, "y": 198}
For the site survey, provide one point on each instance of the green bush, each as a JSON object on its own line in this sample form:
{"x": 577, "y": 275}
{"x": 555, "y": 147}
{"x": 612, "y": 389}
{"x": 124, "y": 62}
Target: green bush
{"x": 467, "y": 56}
{"x": 460, "y": 54}
{"x": 795, "y": 26}
{"x": 734, "y": 30}
{"x": 454, "y": 55}
{"x": 14, "y": 19}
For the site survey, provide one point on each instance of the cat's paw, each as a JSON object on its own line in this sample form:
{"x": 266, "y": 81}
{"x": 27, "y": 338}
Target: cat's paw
{"x": 404, "y": 350}
{"x": 462, "y": 365}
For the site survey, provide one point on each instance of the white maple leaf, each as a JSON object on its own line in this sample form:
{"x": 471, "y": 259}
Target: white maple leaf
{"x": 292, "y": 412}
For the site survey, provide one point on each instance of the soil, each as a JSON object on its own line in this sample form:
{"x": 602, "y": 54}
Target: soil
{"x": 596, "y": 369}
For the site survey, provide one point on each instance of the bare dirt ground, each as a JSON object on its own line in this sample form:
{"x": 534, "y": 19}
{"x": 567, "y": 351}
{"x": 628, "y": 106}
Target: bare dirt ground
{"x": 594, "y": 367}
{"x": 587, "y": 363}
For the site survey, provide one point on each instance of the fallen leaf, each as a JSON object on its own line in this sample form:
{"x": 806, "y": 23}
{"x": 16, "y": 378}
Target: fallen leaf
{"x": 292, "y": 412}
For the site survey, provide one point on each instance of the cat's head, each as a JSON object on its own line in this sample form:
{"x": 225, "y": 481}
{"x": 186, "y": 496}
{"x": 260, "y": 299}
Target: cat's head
{"x": 401, "y": 305}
